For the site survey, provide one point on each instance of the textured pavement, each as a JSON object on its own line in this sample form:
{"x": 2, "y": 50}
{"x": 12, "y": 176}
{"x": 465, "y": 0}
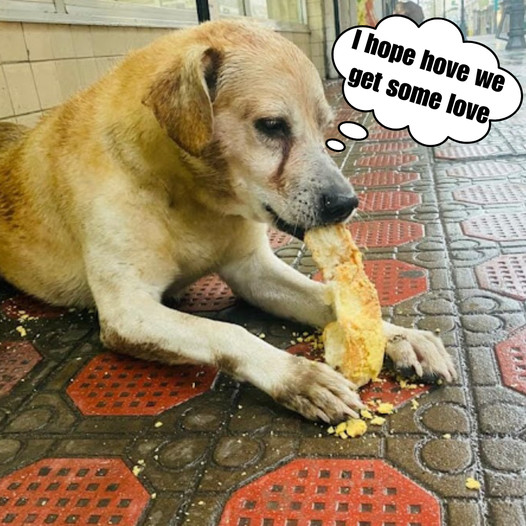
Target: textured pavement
{"x": 90, "y": 437}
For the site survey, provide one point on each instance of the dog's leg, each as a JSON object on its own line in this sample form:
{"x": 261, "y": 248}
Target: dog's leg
{"x": 134, "y": 322}
{"x": 264, "y": 280}
{"x": 419, "y": 350}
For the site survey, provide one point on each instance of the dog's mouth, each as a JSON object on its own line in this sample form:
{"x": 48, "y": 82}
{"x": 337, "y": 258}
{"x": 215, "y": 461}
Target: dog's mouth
{"x": 294, "y": 230}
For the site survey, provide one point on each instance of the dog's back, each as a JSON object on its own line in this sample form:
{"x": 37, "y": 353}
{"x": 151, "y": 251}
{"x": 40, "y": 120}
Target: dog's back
{"x": 11, "y": 133}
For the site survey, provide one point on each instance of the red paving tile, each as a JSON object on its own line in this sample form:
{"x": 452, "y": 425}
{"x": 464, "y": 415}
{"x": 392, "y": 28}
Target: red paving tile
{"x": 378, "y": 161}
{"x": 483, "y": 169}
{"x": 278, "y": 239}
{"x": 339, "y": 492}
{"x": 388, "y": 390}
{"x": 22, "y": 304}
{"x": 72, "y": 491}
{"x": 505, "y": 275}
{"x": 208, "y": 294}
{"x": 511, "y": 355}
{"x": 387, "y": 147}
{"x": 16, "y": 361}
{"x": 467, "y": 151}
{"x": 387, "y": 201}
{"x": 395, "y": 281}
{"x": 385, "y": 233}
{"x": 384, "y": 178}
{"x": 492, "y": 194}
{"x": 497, "y": 227}
{"x": 111, "y": 384}
{"x": 381, "y": 134}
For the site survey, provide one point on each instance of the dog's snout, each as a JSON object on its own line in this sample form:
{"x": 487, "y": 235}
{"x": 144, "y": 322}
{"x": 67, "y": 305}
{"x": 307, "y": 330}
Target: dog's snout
{"x": 337, "y": 207}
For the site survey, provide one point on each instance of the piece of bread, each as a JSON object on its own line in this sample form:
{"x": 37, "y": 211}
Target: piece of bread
{"x": 354, "y": 343}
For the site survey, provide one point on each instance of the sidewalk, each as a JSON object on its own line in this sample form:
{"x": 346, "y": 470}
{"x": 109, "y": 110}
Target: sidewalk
{"x": 90, "y": 437}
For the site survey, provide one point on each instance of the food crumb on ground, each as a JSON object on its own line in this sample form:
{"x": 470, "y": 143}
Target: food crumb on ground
{"x": 472, "y": 483}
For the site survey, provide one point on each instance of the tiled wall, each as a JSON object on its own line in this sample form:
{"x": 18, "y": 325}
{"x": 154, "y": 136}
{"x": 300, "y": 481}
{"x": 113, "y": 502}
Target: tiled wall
{"x": 42, "y": 65}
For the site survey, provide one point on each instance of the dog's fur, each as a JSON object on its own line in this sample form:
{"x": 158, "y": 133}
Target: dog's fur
{"x": 160, "y": 173}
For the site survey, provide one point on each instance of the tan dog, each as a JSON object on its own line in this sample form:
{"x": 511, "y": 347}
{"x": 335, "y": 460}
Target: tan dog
{"x": 168, "y": 168}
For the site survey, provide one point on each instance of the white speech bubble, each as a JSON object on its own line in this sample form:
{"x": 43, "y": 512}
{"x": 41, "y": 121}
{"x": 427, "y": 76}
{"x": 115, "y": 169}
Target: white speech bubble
{"x": 351, "y": 130}
{"x": 425, "y": 78}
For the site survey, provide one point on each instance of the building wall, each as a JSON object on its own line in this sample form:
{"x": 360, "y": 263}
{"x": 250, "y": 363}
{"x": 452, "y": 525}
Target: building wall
{"x": 42, "y": 65}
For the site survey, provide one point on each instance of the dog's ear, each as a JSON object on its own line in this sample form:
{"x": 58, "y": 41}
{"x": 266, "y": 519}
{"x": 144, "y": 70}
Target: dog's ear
{"x": 181, "y": 98}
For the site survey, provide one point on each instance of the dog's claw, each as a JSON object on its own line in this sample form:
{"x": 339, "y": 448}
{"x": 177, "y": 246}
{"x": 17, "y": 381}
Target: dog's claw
{"x": 420, "y": 350}
{"x": 318, "y": 392}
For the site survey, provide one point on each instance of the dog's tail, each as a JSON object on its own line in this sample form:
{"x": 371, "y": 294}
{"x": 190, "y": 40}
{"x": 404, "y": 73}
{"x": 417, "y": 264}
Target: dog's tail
{"x": 11, "y": 133}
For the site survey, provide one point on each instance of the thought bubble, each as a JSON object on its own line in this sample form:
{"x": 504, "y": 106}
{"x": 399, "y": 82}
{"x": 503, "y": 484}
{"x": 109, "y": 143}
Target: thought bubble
{"x": 352, "y": 130}
{"x": 425, "y": 78}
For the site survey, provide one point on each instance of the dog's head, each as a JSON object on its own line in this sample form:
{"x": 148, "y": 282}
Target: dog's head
{"x": 248, "y": 109}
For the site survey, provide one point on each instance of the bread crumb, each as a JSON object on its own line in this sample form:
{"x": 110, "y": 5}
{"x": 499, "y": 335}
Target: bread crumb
{"x": 378, "y": 421}
{"x": 385, "y": 409}
{"x": 21, "y": 330}
{"x": 158, "y": 424}
{"x": 366, "y": 414}
{"x": 355, "y": 427}
{"x": 415, "y": 404}
{"x": 473, "y": 484}
{"x": 447, "y": 436}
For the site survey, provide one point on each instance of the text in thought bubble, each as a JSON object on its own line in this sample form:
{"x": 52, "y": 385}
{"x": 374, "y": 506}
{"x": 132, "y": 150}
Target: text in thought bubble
{"x": 425, "y": 78}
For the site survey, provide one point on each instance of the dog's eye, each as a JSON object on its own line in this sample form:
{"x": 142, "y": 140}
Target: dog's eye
{"x": 274, "y": 128}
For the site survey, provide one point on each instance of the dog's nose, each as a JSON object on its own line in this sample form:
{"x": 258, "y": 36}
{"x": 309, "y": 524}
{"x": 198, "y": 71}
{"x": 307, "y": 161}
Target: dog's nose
{"x": 337, "y": 207}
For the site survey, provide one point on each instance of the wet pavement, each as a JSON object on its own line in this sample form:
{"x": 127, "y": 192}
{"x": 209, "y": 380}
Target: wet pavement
{"x": 91, "y": 437}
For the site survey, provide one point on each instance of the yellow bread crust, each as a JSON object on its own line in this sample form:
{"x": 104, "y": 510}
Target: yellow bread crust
{"x": 354, "y": 343}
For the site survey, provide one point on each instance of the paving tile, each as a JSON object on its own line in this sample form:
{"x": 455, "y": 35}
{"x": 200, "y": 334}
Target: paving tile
{"x": 504, "y": 274}
{"x": 385, "y": 233}
{"x": 511, "y": 356}
{"x": 17, "y": 359}
{"x": 387, "y": 201}
{"x": 492, "y": 194}
{"x": 384, "y": 178}
{"x": 329, "y": 490}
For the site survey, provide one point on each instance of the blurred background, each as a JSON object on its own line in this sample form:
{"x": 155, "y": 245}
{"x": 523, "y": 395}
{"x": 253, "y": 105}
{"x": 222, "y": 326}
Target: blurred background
{"x": 49, "y": 49}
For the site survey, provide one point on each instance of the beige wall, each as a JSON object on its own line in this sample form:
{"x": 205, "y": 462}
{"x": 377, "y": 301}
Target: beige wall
{"x": 42, "y": 65}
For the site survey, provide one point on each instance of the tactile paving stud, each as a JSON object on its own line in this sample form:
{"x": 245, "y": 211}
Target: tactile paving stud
{"x": 377, "y": 161}
{"x": 111, "y": 384}
{"x": 335, "y": 492}
{"x": 387, "y": 201}
{"x": 492, "y": 194}
{"x": 497, "y": 227}
{"x": 16, "y": 361}
{"x": 483, "y": 169}
{"x": 386, "y": 147}
{"x": 208, "y": 294}
{"x": 384, "y": 178}
{"x": 505, "y": 275}
{"x": 87, "y": 491}
{"x": 385, "y": 233}
{"x": 395, "y": 281}
{"x": 511, "y": 355}
{"x": 278, "y": 239}
{"x": 23, "y": 305}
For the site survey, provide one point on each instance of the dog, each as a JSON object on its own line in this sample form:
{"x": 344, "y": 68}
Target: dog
{"x": 170, "y": 167}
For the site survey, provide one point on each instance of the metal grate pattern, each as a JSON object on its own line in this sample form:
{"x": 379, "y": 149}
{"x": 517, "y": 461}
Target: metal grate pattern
{"x": 339, "y": 492}
{"x": 208, "y": 294}
{"x": 511, "y": 356}
{"x": 382, "y": 160}
{"x": 387, "y": 201}
{"x": 72, "y": 491}
{"x": 111, "y": 384}
{"x": 384, "y": 178}
{"x": 17, "y": 359}
{"x": 497, "y": 227}
{"x": 385, "y": 233}
{"x": 492, "y": 194}
{"x": 505, "y": 275}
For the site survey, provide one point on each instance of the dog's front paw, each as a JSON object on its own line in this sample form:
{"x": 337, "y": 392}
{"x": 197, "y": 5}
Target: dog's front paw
{"x": 419, "y": 350}
{"x": 318, "y": 392}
